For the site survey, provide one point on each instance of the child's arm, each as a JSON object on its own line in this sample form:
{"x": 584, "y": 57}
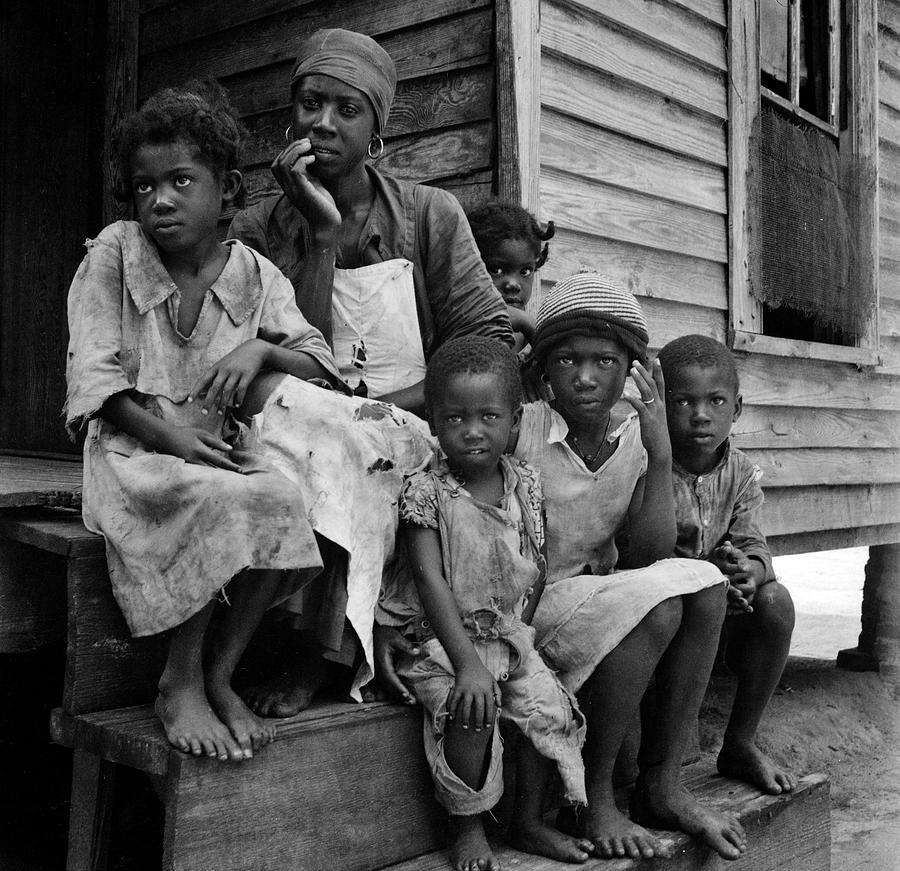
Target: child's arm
{"x": 651, "y": 515}
{"x": 192, "y": 444}
{"x": 225, "y": 384}
{"x": 475, "y": 694}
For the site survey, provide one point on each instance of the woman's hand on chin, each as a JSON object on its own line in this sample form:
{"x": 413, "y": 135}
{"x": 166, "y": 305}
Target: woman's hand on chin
{"x": 305, "y": 191}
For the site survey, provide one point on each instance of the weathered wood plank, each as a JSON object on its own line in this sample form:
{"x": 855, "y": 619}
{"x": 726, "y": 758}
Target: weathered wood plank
{"x": 60, "y": 532}
{"x": 890, "y": 356}
{"x": 610, "y": 103}
{"x": 587, "y": 39}
{"x": 889, "y": 15}
{"x": 765, "y": 426}
{"x": 668, "y": 25}
{"x": 889, "y": 163}
{"x": 772, "y": 380}
{"x": 601, "y": 210}
{"x": 888, "y": 201}
{"x": 712, "y": 10}
{"x": 889, "y": 237}
{"x": 644, "y": 271}
{"x": 32, "y": 597}
{"x": 833, "y": 539}
{"x": 788, "y": 833}
{"x": 888, "y": 88}
{"x": 37, "y": 481}
{"x": 437, "y": 47}
{"x": 888, "y": 127}
{"x": 604, "y": 156}
{"x": 808, "y": 467}
{"x": 791, "y": 510}
{"x": 888, "y": 48}
{"x": 122, "y": 42}
{"x": 889, "y": 319}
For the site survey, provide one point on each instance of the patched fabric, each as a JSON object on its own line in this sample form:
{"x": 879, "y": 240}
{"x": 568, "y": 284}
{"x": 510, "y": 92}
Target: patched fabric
{"x": 348, "y": 457}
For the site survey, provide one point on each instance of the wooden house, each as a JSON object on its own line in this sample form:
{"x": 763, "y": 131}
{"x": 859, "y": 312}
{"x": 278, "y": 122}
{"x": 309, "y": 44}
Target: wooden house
{"x": 639, "y": 126}
{"x": 642, "y": 128}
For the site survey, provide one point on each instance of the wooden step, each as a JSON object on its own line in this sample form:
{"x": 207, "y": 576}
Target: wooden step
{"x": 786, "y": 832}
{"x": 346, "y": 786}
{"x": 342, "y": 786}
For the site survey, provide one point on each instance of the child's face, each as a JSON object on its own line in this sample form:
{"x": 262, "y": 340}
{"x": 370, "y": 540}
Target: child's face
{"x": 178, "y": 198}
{"x": 338, "y": 120}
{"x": 472, "y": 422}
{"x": 701, "y": 406}
{"x": 512, "y": 264}
{"x": 587, "y": 375}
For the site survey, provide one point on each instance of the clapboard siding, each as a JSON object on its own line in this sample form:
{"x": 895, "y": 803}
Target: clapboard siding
{"x": 442, "y": 126}
{"x": 594, "y": 42}
{"x": 889, "y": 187}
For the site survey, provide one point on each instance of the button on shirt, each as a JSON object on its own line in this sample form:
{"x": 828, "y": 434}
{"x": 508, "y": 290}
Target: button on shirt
{"x": 725, "y": 503}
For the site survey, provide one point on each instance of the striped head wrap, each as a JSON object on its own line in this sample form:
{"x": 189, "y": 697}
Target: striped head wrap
{"x": 590, "y": 304}
{"x": 354, "y": 59}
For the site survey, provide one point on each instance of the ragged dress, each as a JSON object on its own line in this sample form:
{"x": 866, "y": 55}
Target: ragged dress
{"x": 491, "y": 560}
{"x": 175, "y": 532}
{"x": 588, "y": 607}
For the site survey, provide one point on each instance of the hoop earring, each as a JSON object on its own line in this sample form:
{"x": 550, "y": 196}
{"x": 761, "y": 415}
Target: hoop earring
{"x": 288, "y": 133}
{"x": 376, "y": 144}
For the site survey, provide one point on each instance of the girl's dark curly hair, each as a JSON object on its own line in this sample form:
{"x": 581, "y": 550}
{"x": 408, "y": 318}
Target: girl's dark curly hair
{"x": 199, "y": 114}
{"x": 473, "y": 355}
{"x": 498, "y": 221}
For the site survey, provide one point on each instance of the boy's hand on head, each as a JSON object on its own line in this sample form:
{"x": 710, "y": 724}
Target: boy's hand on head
{"x": 225, "y": 384}
{"x": 197, "y": 446}
{"x": 651, "y": 408}
{"x": 474, "y": 699}
{"x": 305, "y": 192}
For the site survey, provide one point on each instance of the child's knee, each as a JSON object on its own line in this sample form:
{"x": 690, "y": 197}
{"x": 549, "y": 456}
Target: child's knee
{"x": 662, "y": 622}
{"x": 773, "y": 608}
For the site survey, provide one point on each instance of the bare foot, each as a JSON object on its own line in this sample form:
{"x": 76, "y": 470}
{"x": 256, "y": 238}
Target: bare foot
{"x": 678, "y": 809}
{"x": 748, "y": 763}
{"x": 544, "y": 840}
{"x": 469, "y": 849}
{"x": 290, "y": 692}
{"x": 614, "y": 835}
{"x": 192, "y": 726}
{"x": 248, "y": 730}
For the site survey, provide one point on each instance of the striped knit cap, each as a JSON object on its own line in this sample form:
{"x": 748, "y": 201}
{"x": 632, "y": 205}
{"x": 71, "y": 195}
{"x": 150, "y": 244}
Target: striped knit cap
{"x": 590, "y": 304}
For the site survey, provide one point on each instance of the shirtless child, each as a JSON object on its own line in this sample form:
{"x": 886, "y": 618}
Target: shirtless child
{"x": 717, "y": 506}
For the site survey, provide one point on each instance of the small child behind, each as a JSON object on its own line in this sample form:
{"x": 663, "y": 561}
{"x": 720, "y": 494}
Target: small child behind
{"x": 168, "y": 327}
{"x": 513, "y": 246}
{"x": 474, "y": 528}
{"x": 717, "y": 503}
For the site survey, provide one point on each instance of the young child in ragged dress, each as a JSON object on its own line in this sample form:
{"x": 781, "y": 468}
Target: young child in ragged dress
{"x": 513, "y": 246}
{"x": 718, "y": 502}
{"x": 168, "y": 327}
{"x": 474, "y": 530}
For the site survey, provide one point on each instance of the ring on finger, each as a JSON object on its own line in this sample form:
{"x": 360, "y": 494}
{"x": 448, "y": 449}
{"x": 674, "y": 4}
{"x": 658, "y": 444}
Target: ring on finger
{"x": 649, "y": 401}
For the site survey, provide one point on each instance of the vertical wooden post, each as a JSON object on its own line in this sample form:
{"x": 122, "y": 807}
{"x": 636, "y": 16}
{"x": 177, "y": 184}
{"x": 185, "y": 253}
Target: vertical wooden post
{"x": 878, "y": 648}
{"x": 519, "y": 101}
{"x": 743, "y": 125}
{"x": 121, "y": 93}
{"x": 93, "y": 782}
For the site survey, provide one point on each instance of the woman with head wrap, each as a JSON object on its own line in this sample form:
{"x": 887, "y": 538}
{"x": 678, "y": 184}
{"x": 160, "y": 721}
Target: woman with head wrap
{"x": 606, "y": 620}
{"x": 386, "y": 269}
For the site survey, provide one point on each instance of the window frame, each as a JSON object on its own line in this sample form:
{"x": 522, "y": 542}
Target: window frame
{"x": 858, "y": 140}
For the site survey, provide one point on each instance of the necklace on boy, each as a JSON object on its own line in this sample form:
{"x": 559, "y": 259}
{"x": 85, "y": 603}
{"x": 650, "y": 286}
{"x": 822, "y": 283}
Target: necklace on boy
{"x": 589, "y": 459}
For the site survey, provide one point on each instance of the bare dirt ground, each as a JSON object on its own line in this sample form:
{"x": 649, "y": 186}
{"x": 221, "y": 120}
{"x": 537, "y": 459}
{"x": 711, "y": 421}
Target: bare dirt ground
{"x": 825, "y": 719}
